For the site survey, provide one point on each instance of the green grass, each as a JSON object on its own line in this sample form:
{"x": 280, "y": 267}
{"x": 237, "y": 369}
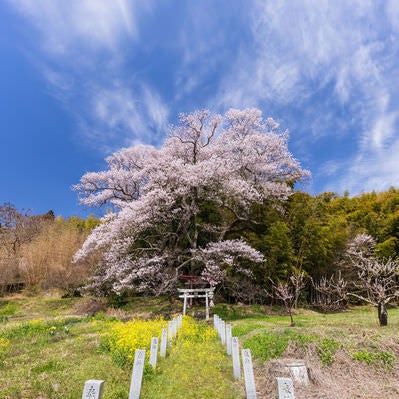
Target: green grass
{"x": 34, "y": 307}
{"x": 354, "y": 330}
{"x": 46, "y": 351}
{"x": 236, "y": 312}
{"x": 8, "y": 308}
{"x": 38, "y": 363}
{"x": 54, "y": 353}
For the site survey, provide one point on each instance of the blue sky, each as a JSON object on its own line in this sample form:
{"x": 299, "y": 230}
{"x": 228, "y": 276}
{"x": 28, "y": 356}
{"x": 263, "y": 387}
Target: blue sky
{"x": 80, "y": 79}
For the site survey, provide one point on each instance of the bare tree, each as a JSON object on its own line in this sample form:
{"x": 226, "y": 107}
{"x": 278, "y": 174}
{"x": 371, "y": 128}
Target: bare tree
{"x": 330, "y": 292}
{"x": 297, "y": 280}
{"x": 376, "y": 280}
{"x": 288, "y": 292}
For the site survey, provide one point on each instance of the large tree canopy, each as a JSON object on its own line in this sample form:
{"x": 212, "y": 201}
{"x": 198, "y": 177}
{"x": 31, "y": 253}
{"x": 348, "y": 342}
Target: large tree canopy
{"x": 179, "y": 208}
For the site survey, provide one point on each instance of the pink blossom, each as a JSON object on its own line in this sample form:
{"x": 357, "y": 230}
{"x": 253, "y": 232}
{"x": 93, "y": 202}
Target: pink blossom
{"x": 226, "y": 162}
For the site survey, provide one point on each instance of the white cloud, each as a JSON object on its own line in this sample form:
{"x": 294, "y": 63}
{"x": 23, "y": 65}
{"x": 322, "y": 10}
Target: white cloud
{"x": 330, "y": 65}
{"x": 329, "y": 168}
{"x": 373, "y": 166}
{"x": 392, "y": 7}
{"x": 121, "y": 118}
{"x": 156, "y": 110}
{"x": 69, "y": 26}
{"x": 372, "y": 172}
{"x": 343, "y": 50}
{"x": 82, "y": 56}
{"x": 210, "y": 39}
{"x": 300, "y": 47}
{"x": 382, "y": 131}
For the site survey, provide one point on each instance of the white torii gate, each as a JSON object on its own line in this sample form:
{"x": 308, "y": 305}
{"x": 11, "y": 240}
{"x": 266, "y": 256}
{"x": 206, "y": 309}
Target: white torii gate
{"x": 206, "y": 293}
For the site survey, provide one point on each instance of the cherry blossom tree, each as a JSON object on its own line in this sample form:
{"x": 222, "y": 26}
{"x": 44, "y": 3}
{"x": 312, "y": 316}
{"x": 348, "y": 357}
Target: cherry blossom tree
{"x": 180, "y": 208}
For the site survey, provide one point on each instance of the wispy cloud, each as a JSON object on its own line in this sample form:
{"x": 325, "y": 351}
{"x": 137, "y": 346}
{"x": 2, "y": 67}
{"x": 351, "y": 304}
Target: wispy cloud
{"x": 371, "y": 171}
{"x": 335, "y": 59}
{"x": 116, "y": 117}
{"x": 67, "y": 27}
{"x": 299, "y": 47}
{"x": 83, "y": 59}
{"x": 327, "y": 69}
{"x": 211, "y": 38}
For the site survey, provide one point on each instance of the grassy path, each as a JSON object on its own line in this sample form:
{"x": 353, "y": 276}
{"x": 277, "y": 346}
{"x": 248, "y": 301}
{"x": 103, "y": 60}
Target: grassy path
{"x": 197, "y": 367}
{"x": 52, "y": 359}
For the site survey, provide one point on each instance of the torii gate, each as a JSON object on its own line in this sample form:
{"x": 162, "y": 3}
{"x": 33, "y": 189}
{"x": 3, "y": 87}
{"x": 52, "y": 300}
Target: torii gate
{"x": 206, "y": 293}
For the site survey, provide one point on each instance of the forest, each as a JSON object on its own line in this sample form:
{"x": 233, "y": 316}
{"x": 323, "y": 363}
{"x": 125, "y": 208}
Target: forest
{"x": 310, "y": 233}
{"x": 217, "y": 202}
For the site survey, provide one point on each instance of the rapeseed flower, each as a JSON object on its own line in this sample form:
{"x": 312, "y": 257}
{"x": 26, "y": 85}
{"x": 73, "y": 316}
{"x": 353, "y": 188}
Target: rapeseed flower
{"x": 124, "y": 338}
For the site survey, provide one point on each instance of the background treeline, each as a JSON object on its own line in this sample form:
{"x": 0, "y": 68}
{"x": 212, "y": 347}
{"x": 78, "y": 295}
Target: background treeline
{"x": 36, "y": 251}
{"x": 307, "y": 233}
{"x": 310, "y": 233}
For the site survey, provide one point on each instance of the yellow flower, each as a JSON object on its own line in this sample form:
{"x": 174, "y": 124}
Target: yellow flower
{"x": 124, "y": 338}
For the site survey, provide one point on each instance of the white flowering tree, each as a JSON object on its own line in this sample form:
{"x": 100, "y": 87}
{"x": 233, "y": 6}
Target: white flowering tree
{"x": 377, "y": 280}
{"x": 180, "y": 208}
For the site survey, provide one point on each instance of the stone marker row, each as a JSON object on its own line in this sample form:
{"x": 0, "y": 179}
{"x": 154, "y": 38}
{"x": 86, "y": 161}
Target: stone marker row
{"x": 285, "y": 388}
{"x": 248, "y": 374}
{"x": 232, "y": 348}
{"x": 166, "y": 338}
{"x": 164, "y": 341}
{"x": 93, "y": 389}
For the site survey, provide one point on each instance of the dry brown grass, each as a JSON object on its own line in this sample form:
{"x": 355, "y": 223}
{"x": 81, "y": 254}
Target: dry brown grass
{"x": 344, "y": 379}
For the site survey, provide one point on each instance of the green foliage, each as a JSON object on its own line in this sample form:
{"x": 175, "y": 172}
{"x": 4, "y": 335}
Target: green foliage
{"x": 99, "y": 316}
{"x": 278, "y": 249}
{"x": 318, "y": 232}
{"x": 8, "y": 309}
{"x": 326, "y": 351}
{"x": 186, "y": 370}
{"x": 77, "y": 222}
{"x": 48, "y": 366}
{"x": 117, "y": 301}
{"x": 38, "y": 327}
{"x": 388, "y": 249}
{"x": 228, "y": 312}
{"x": 4, "y": 345}
{"x": 310, "y": 234}
{"x": 244, "y": 329}
{"x": 268, "y": 346}
{"x": 236, "y": 312}
{"x": 31, "y": 349}
{"x": 384, "y": 359}
{"x": 303, "y": 340}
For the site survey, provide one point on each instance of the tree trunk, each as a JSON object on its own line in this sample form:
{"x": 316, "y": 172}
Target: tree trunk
{"x": 291, "y": 316}
{"x": 382, "y": 314}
